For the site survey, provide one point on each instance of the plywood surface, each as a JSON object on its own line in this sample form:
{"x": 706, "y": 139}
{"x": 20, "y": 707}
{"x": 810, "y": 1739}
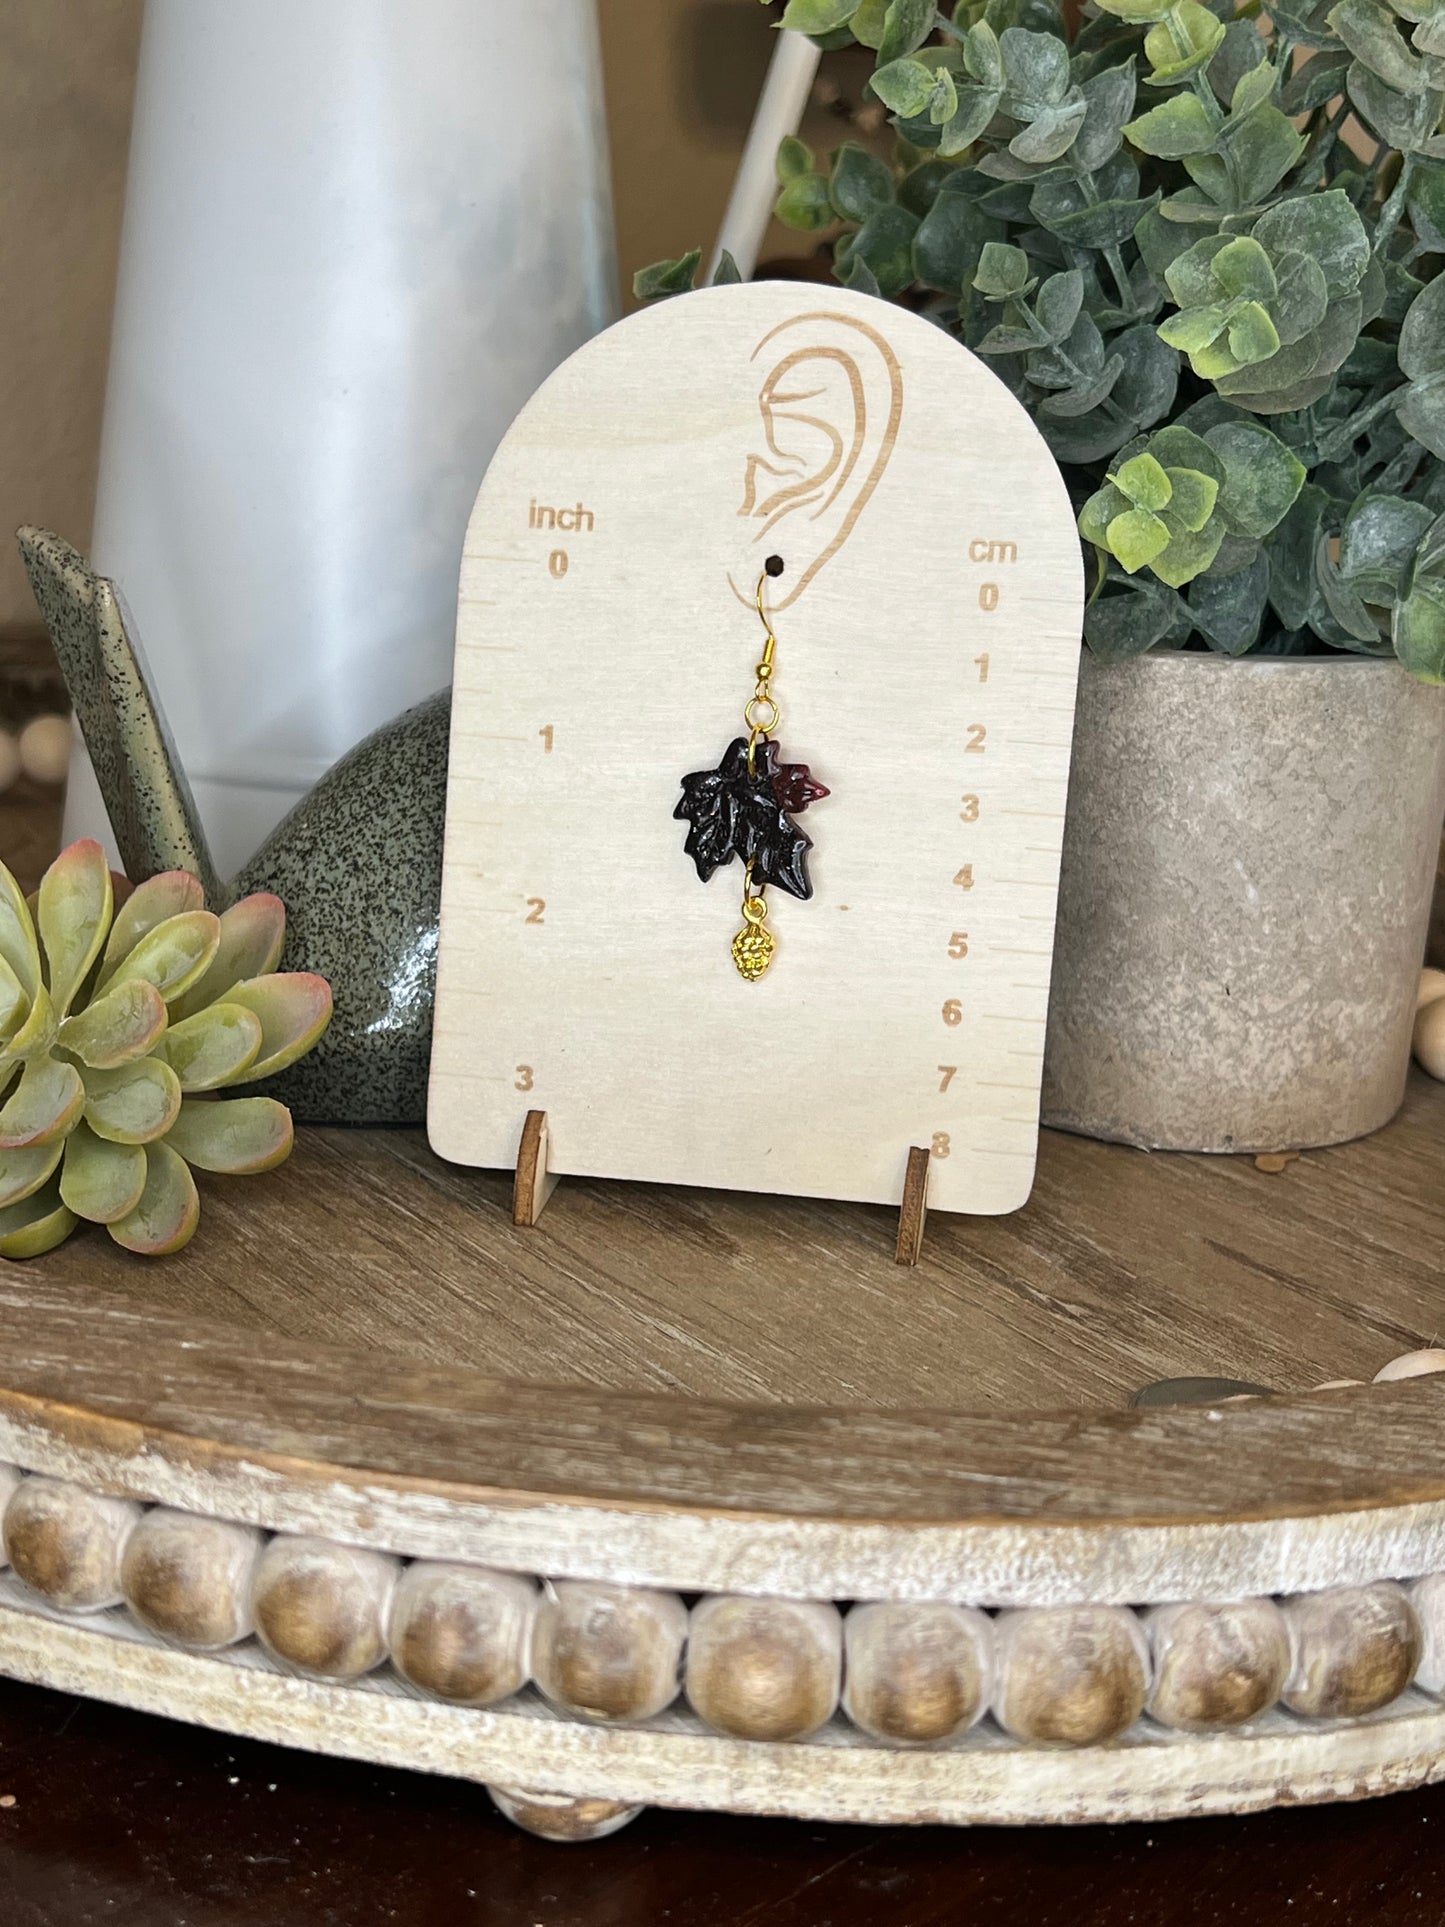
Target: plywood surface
{"x": 1123, "y": 1267}
{"x": 927, "y": 618}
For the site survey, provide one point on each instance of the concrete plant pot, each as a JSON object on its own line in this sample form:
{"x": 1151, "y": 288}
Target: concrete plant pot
{"x": 1248, "y": 865}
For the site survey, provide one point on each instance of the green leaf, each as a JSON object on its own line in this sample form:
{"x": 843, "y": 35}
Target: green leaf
{"x": 1252, "y": 335}
{"x": 1099, "y": 511}
{"x": 170, "y": 894}
{"x": 868, "y": 23}
{"x": 294, "y": 1008}
{"x": 1302, "y": 298}
{"x": 906, "y": 25}
{"x": 251, "y": 941}
{"x": 23, "y": 1172}
{"x": 884, "y": 245}
{"x": 101, "y": 1181}
{"x": 949, "y": 241}
{"x": 1187, "y": 38}
{"x": 982, "y": 55}
{"x": 121, "y": 1025}
{"x": 1262, "y": 477}
{"x": 172, "y": 956}
{"x": 1036, "y": 71}
{"x": 1193, "y": 330}
{"x": 1136, "y": 537}
{"x": 241, "y": 1135}
{"x": 1262, "y": 146}
{"x": 976, "y": 108}
{"x": 1138, "y": 12}
{"x": 1421, "y": 412}
{"x": 859, "y": 184}
{"x": 726, "y": 274}
{"x": 1057, "y": 304}
{"x": 666, "y": 277}
{"x": 212, "y": 1048}
{"x": 74, "y": 917}
{"x": 805, "y": 204}
{"x": 904, "y": 87}
{"x": 1369, "y": 31}
{"x": 1324, "y": 226}
{"x": 1188, "y": 554}
{"x": 1228, "y": 609}
{"x": 818, "y": 16}
{"x": 1404, "y": 121}
{"x": 1049, "y": 134}
{"x": 44, "y": 1104}
{"x": 1378, "y": 542}
{"x": 943, "y": 101}
{"x": 794, "y": 157}
{"x": 132, "y": 1105}
{"x": 1145, "y": 482}
{"x": 1192, "y": 502}
{"x": 1422, "y": 334}
{"x": 1002, "y": 270}
{"x": 1256, "y": 86}
{"x": 1130, "y": 621}
{"x": 165, "y": 1219}
{"x": 1062, "y": 207}
{"x": 36, "y": 1225}
{"x": 1108, "y": 103}
{"x": 1241, "y": 267}
{"x": 18, "y": 945}
{"x": 1318, "y": 81}
{"x": 1418, "y": 633}
{"x": 1177, "y": 126}
{"x": 1291, "y": 552}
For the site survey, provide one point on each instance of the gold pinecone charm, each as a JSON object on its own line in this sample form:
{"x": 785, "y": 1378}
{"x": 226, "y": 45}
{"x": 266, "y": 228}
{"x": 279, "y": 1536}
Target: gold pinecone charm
{"x": 754, "y": 944}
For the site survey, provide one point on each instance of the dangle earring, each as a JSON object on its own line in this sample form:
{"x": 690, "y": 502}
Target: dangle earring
{"x": 745, "y": 808}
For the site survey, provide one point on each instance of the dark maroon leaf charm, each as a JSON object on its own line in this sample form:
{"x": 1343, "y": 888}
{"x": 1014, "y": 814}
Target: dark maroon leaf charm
{"x": 733, "y": 811}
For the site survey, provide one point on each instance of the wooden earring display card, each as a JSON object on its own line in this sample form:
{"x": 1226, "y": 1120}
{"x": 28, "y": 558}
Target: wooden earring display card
{"x": 928, "y": 620}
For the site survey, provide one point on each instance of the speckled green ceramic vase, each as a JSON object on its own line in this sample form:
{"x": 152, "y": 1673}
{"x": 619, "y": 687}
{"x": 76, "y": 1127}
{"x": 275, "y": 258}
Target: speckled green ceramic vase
{"x": 357, "y": 863}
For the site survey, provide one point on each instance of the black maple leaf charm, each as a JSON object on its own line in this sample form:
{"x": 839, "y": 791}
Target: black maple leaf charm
{"x": 736, "y": 811}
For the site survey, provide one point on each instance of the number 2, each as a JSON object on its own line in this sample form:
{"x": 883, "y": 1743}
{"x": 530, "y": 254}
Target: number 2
{"x": 535, "y": 907}
{"x": 976, "y": 735}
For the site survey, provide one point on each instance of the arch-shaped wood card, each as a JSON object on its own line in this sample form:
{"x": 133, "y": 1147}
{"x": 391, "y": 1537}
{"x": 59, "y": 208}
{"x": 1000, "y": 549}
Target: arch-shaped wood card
{"x": 927, "y": 619}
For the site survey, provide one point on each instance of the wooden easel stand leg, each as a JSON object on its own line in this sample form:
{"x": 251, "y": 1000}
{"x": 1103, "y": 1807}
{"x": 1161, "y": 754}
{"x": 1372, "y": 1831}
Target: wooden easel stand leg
{"x": 914, "y": 1209}
{"x": 534, "y": 1183}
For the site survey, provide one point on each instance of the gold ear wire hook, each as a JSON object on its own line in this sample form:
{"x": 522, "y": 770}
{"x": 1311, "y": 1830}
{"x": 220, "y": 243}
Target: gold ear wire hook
{"x": 762, "y": 697}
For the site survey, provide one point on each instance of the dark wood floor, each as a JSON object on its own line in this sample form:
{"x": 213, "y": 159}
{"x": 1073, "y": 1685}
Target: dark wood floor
{"x": 109, "y": 1817}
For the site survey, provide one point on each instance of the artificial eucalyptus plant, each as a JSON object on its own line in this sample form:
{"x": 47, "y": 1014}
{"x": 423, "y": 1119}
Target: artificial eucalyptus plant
{"x": 1200, "y": 243}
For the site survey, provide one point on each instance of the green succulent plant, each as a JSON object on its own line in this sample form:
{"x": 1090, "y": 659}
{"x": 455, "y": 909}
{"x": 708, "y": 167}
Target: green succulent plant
{"x": 118, "y": 1027}
{"x": 1225, "y": 322}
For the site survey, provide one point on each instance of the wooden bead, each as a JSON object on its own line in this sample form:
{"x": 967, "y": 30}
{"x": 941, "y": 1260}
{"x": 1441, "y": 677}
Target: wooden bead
{"x": 608, "y": 1652}
{"x": 462, "y": 1632}
{"x": 1069, "y": 1675}
{"x": 555, "y": 1816}
{"x": 1354, "y": 1648}
{"x": 1427, "y": 1599}
{"x": 916, "y": 1674}
{"x": 44, "y": 748}
{"x": 1428, "y": 1040}
{"x": 1411, "y": 1365}
{"x": 10, "y": 1477}
{"x": 764, "y": 1669}
{"x": 322, "y": 1607}
{"x": 1216, "y": 1665}
{"x": 66, "y": 1543}
{"x": 1432, "y": 987}
{"x": 189, "y": 1578}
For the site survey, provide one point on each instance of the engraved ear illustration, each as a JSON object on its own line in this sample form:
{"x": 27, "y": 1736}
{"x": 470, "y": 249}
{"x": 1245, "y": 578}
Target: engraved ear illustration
{"x": 830, "y": 402}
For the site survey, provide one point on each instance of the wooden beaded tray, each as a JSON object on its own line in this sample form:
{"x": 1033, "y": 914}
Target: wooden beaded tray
{"x": 585, "y": 1512}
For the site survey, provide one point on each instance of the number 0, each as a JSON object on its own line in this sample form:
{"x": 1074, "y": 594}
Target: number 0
{"x": 557, "y": 563}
